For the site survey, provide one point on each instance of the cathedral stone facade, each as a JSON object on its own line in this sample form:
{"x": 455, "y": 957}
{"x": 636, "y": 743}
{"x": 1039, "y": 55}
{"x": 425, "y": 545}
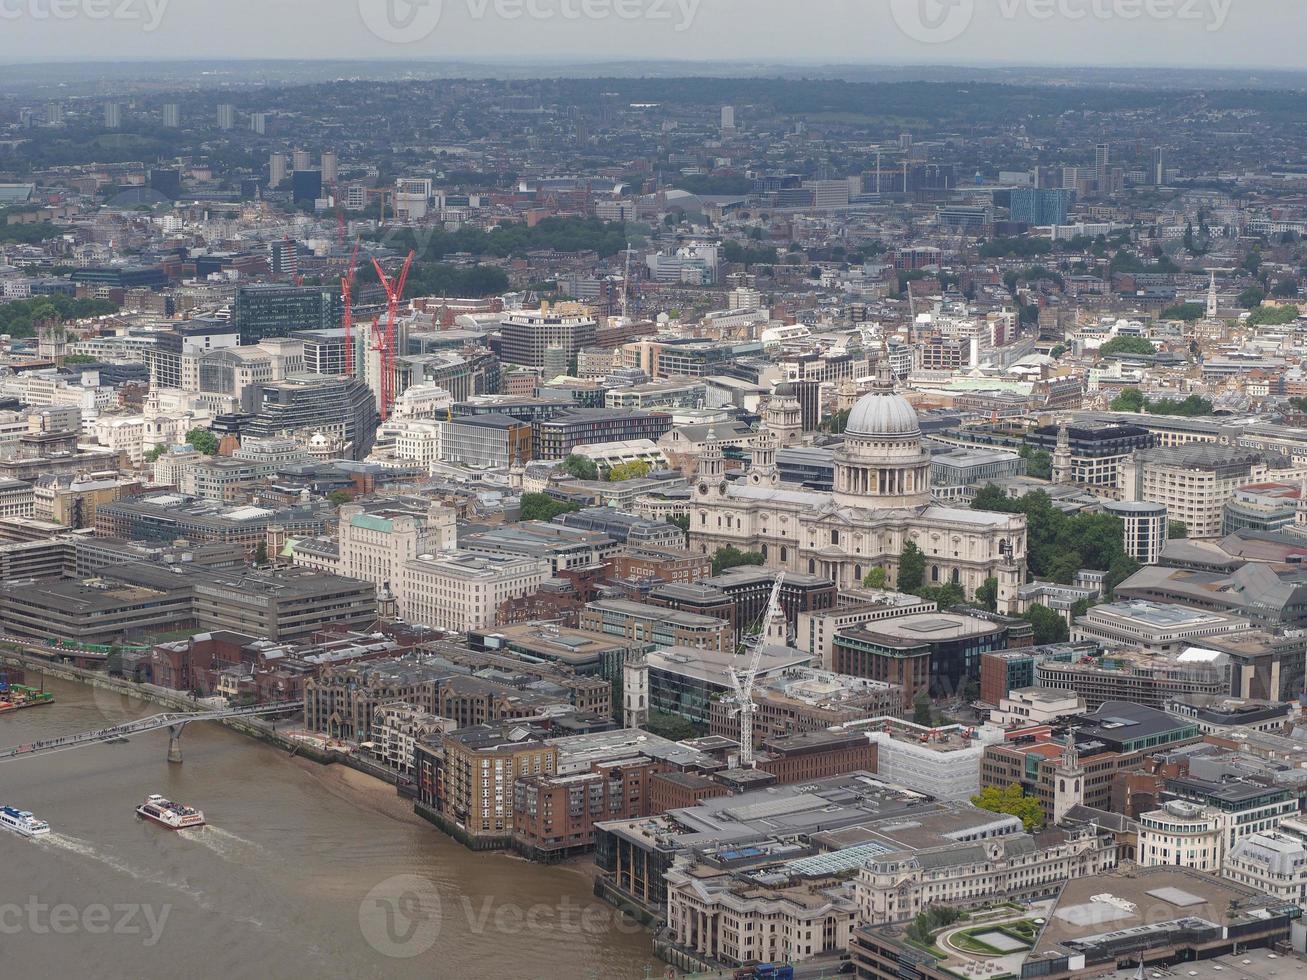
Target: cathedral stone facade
{"x": 881, "y": 502}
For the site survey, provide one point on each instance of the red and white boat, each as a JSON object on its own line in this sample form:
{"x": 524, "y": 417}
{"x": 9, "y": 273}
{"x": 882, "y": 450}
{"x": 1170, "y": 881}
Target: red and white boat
{"x": 174, "y": 816}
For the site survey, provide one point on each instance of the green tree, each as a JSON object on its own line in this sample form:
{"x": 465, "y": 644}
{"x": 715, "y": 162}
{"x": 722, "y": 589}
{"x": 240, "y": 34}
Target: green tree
{"x": 987, "y": 594}
{"x": 1177, "y": 530}
{"x": 1129, "y": 400}
{"x": 261, "y": 553}
{"x": 1049, "y": 626}
{"x": 1057, "y": 351}
{"x": 1039, "y": 463}
{"x": 635, "y": 470}
{"x": 672, "y": 727}
{"x": 338, "y": 497}
{"x": 1276, "y": 316}
{"x": 1014, "y": 802}
{"x": 876, "y": 578}
{"x": 680, "y": 520}
{"x": 923, "y": 711}
{"x": 912, "y": 568}
{"x": 581, "y": 467}
{"x": 1127, "y": 345}
{"x": 1285, "y": 289}
{"x": 204, "y": 441}
{"x": 732, "y": 557}
{"x": 542, "y": 507}
{"x": 1183, "y": 311}
{"x": 1251, "y": 297}
{"x": 152, "y": 454}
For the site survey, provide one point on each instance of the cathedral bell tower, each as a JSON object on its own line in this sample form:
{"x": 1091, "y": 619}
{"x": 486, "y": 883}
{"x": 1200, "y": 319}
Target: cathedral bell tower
{"x": 1062, "y": 468}
{"x": 762, "y": 470}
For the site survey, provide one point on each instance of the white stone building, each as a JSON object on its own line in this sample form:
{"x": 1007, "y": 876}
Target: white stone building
{"x": 462, "y": 590}
{"x": 880, "y": 503}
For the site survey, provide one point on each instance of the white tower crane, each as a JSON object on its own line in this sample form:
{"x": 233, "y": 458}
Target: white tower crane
{"x": 742, "y": 700}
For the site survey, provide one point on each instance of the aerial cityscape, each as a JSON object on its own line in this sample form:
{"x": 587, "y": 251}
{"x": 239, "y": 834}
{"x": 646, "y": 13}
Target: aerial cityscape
{"x": 624, "y": 489}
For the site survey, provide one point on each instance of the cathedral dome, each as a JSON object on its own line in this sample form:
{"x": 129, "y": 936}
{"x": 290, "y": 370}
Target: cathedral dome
{"x": 883, "y": 414}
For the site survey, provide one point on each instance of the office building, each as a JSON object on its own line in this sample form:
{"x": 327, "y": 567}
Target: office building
{"x": 1146, "y": 528}
{"x": 306, "y": 186}
{"x": 314, "y": 407}
{"x": 529, "y": 335}
{"x": 271, "y": 310}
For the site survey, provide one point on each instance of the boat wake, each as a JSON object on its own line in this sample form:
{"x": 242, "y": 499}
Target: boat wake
{"x": 226, "y": 844}
{"x": 86, "y": 849}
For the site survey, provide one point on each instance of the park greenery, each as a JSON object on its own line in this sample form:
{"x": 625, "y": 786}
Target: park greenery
{"x": 512, "y": 240}
{"x": 202, "y": 440}
{"x": 732, "y": 557}
{"x": 1014, "y": 802}
{"x": 1133, "y": 400}
{"x": 21, "y": 317}
{"x": 1189, "y": 312}
{"x": 1274, "y": 316}
{"x": 542, "y": 507}
{"x": 1059, "y": 545}
{"x": 1127, "y": 345}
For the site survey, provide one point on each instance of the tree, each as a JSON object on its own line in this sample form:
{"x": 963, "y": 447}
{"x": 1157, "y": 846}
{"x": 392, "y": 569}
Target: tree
{"x": 1275, "y": 316}
{"x": 680, "y": 520}
{"x": 1049, "y": 626}
{"x": 542, "y": 507}
{"x": 921, "y": 930}
{"x": 637, "y": 469}
{"x": 1014, "y": 802}
{"x": 153, "y": 454}
{"x": 1127, "y": 345}
{"x": 1183, "y": 311}
{"x": 1130, "y": 400}
{"x": 1285, "y": 289}
{"x": 204, "y": 441}
{"x": 581, "y": 467}
{"x": 836, "y": 423}
{"x": 731, "y": 557}
{"x": 338, "y": 497}
{"x": 876, "y": 578}
{"x": 912, "y": 568}
{"x": 987, "y": 594}
{"x": 672, "y": 727}
{"x": 261, "y": 553}
{"x": 1177, "y": 530}
{"x": 1251, "y": 297}
{"x": 1057, "y": 351}
{"x": 1039, "y": 463}
{"x": 923, "y": 712}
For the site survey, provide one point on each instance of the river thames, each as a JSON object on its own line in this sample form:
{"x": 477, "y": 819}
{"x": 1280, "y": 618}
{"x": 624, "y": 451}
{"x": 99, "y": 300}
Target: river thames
{"x": 303, "y": 871}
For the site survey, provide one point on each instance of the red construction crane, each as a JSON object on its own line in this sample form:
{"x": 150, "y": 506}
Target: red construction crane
{"x": 346, "y": 285}
{"x": 386, "y": 344}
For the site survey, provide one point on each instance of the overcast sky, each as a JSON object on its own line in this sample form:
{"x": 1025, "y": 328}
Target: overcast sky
{"x": 1184, "y": 33}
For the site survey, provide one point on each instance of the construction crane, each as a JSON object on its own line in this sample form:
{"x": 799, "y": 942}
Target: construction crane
{"x": 384, "y": 343}
{"x": 742, "y": 701}
{"x": 346, "y": 292}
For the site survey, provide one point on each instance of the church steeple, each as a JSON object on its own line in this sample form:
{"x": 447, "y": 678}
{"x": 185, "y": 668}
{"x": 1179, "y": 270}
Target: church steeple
{"x": 1068, "y": 779}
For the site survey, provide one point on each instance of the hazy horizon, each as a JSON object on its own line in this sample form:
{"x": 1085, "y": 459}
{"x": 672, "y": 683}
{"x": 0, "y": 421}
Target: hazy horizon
{"x": 1193, "y": 35}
